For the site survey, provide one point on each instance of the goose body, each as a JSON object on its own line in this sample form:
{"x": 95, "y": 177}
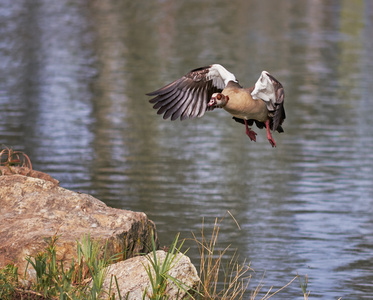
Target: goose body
{"x": 207, "y": 88}
{"x": 243, "y": 105}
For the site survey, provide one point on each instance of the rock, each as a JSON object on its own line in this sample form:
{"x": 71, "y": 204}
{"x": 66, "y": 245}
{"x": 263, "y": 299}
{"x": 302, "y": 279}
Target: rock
{"x": 5, "y": 170}
{"x": 33, "y": 208}
{"x": 133, "y": 279}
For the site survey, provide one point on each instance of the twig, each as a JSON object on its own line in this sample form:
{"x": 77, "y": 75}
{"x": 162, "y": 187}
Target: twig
{"x": 265, "y": 297}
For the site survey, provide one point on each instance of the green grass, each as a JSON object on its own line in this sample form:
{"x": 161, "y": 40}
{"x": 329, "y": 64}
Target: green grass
{"x": 54, "y": 280}
{"x": 8, "y": 281}
{"x": 158, "y": 272}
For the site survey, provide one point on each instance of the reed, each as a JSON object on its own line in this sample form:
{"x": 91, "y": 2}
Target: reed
{"x": 213, "y": 270}
{"x": 303, "y": 286}
{"x": 226, "y": 278}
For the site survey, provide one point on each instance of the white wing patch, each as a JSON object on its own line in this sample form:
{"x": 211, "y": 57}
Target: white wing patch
{"x": 265, "y": 90}
{"x": 220, "y": 76}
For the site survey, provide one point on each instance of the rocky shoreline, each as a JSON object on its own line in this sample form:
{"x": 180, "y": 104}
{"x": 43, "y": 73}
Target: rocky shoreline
{"x": 33, "y": 207}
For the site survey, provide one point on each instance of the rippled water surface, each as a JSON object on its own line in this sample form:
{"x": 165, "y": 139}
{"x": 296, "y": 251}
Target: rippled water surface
{"x": 73, "y": 78}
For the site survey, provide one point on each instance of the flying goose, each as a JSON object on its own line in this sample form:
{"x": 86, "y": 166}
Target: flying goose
{"x": 213, "y": 86}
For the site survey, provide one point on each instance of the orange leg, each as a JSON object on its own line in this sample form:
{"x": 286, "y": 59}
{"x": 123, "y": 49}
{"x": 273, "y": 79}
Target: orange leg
{"x": 250, "y": 133}
{"x": 269, "y": 135}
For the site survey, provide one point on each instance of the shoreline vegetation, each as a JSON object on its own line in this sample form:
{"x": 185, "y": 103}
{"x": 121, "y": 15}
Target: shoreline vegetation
{"x": 221, "y": 277}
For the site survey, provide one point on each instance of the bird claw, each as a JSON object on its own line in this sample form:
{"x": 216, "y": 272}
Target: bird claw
{"x": 272, "y": 142}
{"x": 251, "y": 134}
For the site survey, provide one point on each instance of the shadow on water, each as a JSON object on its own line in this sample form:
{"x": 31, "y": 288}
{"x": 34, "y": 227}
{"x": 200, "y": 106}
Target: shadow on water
{"x": 72, "y": 84}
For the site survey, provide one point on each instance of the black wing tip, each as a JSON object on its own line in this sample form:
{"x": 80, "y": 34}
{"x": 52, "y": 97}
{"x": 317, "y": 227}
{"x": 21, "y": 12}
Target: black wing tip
{"x": 154, "y": 100}
{"x": 200, "y": 68}
{"x": 280, "y": 129}
{"x": 271, "y": 76}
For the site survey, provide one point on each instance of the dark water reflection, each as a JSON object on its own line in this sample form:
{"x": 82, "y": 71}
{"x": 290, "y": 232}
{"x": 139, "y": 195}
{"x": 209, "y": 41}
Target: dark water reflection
{"x": 72, "y": 84}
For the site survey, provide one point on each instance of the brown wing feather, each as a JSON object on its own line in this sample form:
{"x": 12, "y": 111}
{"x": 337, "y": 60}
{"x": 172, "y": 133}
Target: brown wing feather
{"x": 186, "y": 97}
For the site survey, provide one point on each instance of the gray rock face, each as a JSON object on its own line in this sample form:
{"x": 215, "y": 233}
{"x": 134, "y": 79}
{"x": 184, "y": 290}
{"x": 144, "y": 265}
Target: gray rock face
{"x": 133, "y": 279}
{"x": 33, "y": 208}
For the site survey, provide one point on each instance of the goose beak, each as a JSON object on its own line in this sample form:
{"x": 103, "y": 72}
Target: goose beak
{"x": 218, "y": 100}
{"x": 213, "y": 102}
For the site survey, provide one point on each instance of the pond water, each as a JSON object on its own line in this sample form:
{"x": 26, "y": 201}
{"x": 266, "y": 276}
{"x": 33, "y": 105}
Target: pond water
{"x": 73, "y": 78}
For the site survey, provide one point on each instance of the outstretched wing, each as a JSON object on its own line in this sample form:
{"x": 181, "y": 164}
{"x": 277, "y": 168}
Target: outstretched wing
{"x": 188, "y": 96}
{"x": 271, "y": 91}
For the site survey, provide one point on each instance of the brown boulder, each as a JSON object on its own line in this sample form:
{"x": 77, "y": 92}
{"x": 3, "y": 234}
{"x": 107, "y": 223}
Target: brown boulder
{"x": 133, "y": 280}
{"x": 33, "y": 208}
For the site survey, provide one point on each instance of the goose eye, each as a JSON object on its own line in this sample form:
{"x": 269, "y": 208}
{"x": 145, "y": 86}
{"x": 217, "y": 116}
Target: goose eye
{"x": 218, "y": 96}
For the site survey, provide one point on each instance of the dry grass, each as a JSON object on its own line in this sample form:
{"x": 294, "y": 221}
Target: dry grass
{"x": 236, "y": 276}
{"x": 222, "y": 278}
{"x": 9, "y": 158}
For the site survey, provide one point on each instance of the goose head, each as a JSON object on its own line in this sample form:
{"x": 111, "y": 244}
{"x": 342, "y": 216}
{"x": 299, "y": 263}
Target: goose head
{"x": 218, "y": 100}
